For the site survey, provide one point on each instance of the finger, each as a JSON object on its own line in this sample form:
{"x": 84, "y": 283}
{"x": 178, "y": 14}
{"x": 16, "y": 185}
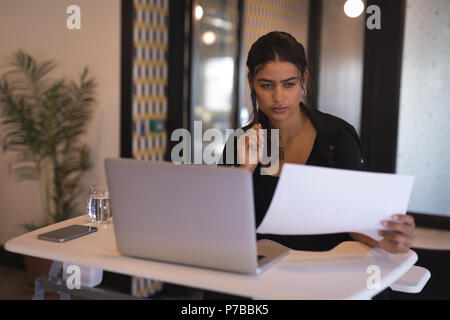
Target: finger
{"x": 393, "y": 247}
{"x": 247, "y": 136}
{"x": 403, "y": 229}
{"x": 406, "y": 218}
{"x": 252, "y": 151}
{"x": 257, "y": 133}
{"x": 256, "y": 127}
{"x": 253, "y": 132}
{"x": 400, "y": 227}
{"x": 257, "y": 139}
{"x": 397, "y": 237}
{"x": 261, "y": 139}
{"x": 253, "y": 142}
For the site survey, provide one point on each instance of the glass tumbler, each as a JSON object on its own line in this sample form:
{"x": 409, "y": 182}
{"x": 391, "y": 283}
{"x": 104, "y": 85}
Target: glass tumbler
{"x": 98, "y": 205}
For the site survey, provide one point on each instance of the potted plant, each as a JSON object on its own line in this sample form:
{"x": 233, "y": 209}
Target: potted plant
{"x": 42, "y": 121}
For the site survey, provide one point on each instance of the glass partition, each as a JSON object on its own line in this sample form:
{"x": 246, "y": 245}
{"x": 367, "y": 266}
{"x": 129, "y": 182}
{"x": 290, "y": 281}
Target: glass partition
{"x": 214, "y": 58}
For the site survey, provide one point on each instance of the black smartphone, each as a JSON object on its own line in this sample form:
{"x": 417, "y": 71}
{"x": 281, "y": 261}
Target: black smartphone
{"x": 67, "y": 233}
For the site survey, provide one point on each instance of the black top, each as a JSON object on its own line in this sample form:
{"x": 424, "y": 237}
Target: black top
{"x": 336, "y": 145}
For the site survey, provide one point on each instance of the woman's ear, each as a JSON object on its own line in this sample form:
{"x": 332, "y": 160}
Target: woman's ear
{"x": 305, "y": 78}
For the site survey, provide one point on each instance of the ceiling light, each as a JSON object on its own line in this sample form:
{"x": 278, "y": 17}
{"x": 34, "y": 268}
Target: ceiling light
{"x": 209, "y": 37}
{"x": 198, "y": 12}
{"x": 353, "y": 8}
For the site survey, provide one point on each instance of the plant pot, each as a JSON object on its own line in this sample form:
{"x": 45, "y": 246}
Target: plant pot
{"x": 35, "y": 268}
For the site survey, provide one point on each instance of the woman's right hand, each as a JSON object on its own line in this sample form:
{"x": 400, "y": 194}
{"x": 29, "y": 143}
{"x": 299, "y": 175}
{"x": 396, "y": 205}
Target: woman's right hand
{"x": 248, "y": 151}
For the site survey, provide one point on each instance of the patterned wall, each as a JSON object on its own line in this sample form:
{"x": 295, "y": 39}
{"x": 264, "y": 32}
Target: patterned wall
{"x": 149, "y": 114}
{"x": 141, "y": 287}
{"x": 150, "y": 68}
{"x": 261, "y": 17}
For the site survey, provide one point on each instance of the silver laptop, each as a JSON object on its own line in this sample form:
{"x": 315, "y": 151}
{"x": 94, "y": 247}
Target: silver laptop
{"x": 187, "y": 214}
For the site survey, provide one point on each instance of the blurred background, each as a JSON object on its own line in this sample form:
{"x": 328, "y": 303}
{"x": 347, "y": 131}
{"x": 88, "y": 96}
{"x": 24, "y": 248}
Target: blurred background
{"x": 160, "y": 65}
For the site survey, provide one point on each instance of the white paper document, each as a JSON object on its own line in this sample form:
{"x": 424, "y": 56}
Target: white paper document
{"x": 316, "y": 200}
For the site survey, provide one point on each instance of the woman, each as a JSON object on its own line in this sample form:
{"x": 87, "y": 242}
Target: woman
{"x": 278, "y": 77}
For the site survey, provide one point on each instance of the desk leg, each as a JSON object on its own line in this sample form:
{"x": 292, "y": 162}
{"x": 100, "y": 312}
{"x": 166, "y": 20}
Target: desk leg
{"x": 39, "y": 290}
{"x": 64, "y": 296}
{"x": 55, "y": 269}
{"x": 53, "y": 282}
{"x": 39, "y": 285}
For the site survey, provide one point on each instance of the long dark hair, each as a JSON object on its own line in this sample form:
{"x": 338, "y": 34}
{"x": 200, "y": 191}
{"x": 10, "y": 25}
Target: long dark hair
{"x": 276, "y": 45}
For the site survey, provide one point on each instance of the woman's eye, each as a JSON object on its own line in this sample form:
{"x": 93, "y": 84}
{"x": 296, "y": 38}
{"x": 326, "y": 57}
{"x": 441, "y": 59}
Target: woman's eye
{"x": 266, "y": 86}
{"x": 289, "y": 84}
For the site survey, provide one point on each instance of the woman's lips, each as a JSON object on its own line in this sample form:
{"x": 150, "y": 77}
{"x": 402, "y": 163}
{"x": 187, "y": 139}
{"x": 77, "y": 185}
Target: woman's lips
{"x": 279, "y": 110}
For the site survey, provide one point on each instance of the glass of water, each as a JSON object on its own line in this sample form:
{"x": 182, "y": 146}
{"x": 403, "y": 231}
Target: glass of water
{"x": 98, "y": 205}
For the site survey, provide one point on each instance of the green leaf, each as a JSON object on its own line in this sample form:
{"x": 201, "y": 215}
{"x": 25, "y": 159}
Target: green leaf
{"x": 42, "y": 121}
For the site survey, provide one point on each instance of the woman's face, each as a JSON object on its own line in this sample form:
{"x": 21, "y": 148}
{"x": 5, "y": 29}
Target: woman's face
{"x": 278, "y": 89}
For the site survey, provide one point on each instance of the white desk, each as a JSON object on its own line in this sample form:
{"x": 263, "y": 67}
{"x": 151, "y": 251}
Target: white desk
{"x": 337, "y": 274}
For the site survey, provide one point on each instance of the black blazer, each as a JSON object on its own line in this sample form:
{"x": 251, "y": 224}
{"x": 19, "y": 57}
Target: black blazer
{"x": 337, "y": 140}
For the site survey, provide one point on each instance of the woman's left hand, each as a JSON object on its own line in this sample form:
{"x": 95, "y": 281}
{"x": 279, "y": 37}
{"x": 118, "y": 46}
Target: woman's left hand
{"x": 401, "y": 235}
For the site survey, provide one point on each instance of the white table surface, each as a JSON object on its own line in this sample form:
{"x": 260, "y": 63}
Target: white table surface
{"x": 341, "y": 273}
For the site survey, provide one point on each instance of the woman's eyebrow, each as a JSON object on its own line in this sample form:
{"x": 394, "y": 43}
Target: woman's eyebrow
{"x": 264, "y": 80}
{"x": 290, "y": 79}
{"x": 267, "y": 80}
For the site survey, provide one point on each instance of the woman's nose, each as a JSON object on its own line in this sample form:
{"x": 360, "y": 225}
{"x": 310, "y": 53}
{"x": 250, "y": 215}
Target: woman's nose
{"x": 278, "y": 94}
